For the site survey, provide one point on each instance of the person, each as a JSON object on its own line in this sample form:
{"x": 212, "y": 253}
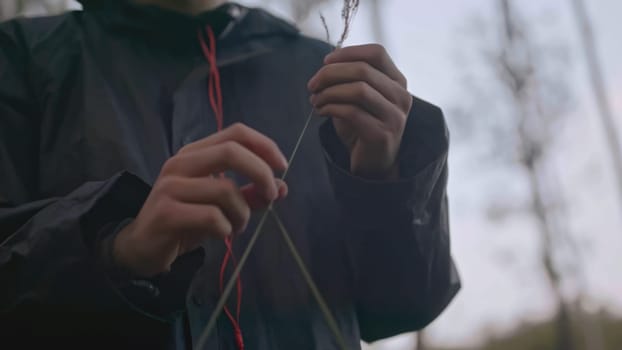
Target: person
{"x": 140, "y": 143}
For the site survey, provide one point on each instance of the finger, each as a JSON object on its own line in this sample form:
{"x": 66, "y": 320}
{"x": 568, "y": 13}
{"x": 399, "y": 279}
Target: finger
{"x": 221, "y": 157}
{"x": 374, "y": 54}
{"x": 206, "y": 221}
{"x": 261, "y": 145}
{"x": 222, "y": 192}
{"x": 283, "y": 188}
{"x": 340, "y": 73}
{"x": 257, "y": 202}
{"x": 362, "y": 122}
{"x": 360, "y": 94}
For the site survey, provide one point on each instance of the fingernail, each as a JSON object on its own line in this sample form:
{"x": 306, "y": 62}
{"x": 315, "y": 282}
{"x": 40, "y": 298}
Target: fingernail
{"x": 284, "y": 162}
{"x": 275, "y": 195}
{"x": 272, "y": 193}
{"x": 282, "y": 191}
{"x": 278, "y": 187}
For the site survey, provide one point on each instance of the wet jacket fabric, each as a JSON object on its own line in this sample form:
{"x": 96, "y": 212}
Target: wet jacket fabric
{"x": 92, "y": 103}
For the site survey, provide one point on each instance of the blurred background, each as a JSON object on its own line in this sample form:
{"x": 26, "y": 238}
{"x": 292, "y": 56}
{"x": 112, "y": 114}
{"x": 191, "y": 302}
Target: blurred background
{"x": 532, "y": 91}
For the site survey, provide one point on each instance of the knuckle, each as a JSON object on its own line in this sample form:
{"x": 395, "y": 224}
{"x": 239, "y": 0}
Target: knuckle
{"x": 170, "y": 165}
{"x": 361, "y": 70}
{"x": 224, "y": 229}
{"x": 240, "y": 129}
{"x": 185, "y": 148}
{"x": 167, "y": 184}
{"x": 215, "y": 221}
{"x": 237, "y": 126}
{"x": 382, "y": 139}
{"x": 210, "y": 217}
{"x": 267, "y": 174}
{"x": 403, "y": 81}
{"x": 356, "y": 112}
{"x": 362, "y": 90}
{"x": 395, "y": 126}
{"x": 406, "y": 103}
{"x": 378, "y": 50}
{"x": 227, "y": 190}
{"x": 230, "y": 149}
{"x": 165, "y": 211}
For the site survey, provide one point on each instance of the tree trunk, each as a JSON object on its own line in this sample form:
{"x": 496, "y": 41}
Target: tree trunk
{"x": 564, "y": 332}
{"x": 519, "y": 77}
{"x": 376, "y": 22}
{"x": 421, "y": 343}
{"x": 600, "y": 90}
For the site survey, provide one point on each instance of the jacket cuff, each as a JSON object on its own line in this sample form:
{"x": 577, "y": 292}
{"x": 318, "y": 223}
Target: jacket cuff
{"x": 421, "y": 158}
{"x": 370, "y": 202}
{"x": 117, "y": 275}
{"x": 159, "y": 297}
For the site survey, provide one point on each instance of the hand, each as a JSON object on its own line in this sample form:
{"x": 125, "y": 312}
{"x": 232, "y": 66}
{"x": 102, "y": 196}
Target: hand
{"x": 189, "y": 202}
{"x": 366, "y": 95}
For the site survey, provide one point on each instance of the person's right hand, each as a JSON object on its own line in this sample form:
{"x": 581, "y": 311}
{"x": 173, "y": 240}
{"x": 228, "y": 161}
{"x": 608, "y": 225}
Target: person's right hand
{"x": 190, "y": 202}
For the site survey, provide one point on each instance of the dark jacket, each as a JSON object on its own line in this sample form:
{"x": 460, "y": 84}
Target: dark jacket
{"x": 93, "y": 103}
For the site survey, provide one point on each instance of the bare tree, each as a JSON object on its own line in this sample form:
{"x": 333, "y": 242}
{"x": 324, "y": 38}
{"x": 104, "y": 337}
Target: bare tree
{"x": 421, "y": 343}
{"x": 522, "y": 80}
{"x": 517, "y": 71}
{"x": 302, "y": 9}
{"x": 377, "y": 23}
{"x": 599, "y": 89}
{"x": 532, "y": 102}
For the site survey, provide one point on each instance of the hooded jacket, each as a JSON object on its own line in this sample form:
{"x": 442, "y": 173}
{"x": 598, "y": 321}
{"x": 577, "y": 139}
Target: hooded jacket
{"x": 92, "y": 103}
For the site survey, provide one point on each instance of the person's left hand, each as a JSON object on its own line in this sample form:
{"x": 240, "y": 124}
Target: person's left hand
{"x": 366, "y": 96}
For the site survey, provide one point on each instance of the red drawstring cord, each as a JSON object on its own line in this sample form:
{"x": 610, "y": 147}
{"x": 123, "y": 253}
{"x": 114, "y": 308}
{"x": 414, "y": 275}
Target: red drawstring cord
{"x": 239, "y": 340}
{"x": 215, "y": 97}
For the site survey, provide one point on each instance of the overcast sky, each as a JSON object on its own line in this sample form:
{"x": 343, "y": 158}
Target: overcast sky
{"x": 426, "y": 38}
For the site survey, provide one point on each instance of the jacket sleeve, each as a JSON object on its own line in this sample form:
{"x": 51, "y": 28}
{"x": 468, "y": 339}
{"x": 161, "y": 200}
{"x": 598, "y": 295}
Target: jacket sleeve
{"x": 49, "y": 247}
{"x": 397, "y": 233}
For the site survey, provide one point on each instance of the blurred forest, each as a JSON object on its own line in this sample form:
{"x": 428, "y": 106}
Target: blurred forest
{"x": 522, "y": 75}
{"x": 541, "y": 336}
